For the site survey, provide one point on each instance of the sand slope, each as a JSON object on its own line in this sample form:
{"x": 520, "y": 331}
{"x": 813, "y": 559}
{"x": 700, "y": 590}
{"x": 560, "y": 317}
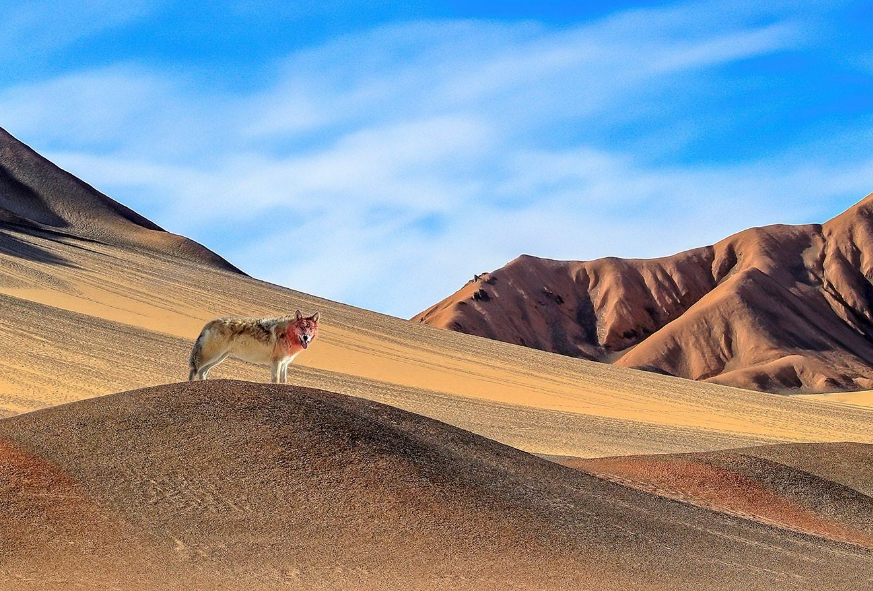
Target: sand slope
{"x": 82, "y": 317}
{"x": 34, "y": 193}
{"x": 230, "y": 484}
{"x": 780, "y": 308}
{"x": 822, "y": 489}
{"x": 240, "y": 485}
{"x": 87, "y": 319}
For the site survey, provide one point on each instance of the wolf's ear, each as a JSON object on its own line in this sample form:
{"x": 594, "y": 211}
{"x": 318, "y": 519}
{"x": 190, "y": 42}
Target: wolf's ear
{"x": 298, "y": 315}
{"x": 315, "y": 317}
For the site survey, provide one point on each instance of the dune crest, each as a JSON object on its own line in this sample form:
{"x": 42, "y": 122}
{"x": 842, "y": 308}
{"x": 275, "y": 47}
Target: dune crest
{"x": 37, "y": 195}
{"x": 224, "y": 484}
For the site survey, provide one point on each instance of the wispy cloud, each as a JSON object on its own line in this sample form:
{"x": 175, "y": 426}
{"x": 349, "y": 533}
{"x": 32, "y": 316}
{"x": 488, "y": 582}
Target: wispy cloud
{"x": 37, "y": 28}
{"x": 384, "y": 168}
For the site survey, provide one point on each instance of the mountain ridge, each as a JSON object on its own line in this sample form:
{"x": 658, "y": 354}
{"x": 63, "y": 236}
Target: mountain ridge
{"x": 775, "y": 308}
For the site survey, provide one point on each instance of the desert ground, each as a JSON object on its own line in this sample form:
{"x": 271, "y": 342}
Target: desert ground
{"x": 228, "y": 482}
{"x": 399, "y": 456}
{"x": 81, "y": 319}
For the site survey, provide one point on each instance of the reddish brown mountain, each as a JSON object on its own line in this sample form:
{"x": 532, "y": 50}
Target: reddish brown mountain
{"x": 36, "y": 195}
{"x": 779, "y": 308}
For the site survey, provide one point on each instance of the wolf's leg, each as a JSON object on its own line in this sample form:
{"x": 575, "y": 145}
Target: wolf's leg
{"x": 204, "y": 369}
{"x": 283, "y": 373}
{"x": 194, "y": 357}
{"x": 275, "y": 368}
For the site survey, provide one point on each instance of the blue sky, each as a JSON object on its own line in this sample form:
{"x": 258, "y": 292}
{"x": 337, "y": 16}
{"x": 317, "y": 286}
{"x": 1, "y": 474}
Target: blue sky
{"x": 380, "y": 153}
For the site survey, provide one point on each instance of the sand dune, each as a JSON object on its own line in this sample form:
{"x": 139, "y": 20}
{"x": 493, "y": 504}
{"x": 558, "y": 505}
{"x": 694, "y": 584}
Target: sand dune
{"x": 780, "y": 308}
{"x": 863, "y": 398}
{"x": 34, "y": 193}
{"x": 820, "y": 489}
{"x": 231, "y": 484}
{"x": 86, "y": 315}
{"x": 96, "y": 319}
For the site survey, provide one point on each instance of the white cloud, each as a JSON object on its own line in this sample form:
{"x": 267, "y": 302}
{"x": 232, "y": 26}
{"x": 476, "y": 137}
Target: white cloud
{"x": 40, "y": 27}
{"x": 384, "y": 168}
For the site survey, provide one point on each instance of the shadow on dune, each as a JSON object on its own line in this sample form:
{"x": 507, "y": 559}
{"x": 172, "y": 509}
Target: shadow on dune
{"x": 11, "y": 245}
{"x": 22, "y": 200}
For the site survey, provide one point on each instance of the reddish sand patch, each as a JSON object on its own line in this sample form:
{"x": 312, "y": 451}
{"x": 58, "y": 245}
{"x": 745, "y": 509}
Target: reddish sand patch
{"x": 45, "y": 514}
{"x": 29, "y": 481}
{"x": 733, "y": 488}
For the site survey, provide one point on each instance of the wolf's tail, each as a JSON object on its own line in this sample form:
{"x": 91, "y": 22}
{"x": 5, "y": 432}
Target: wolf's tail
{"x": 196, "y": 352}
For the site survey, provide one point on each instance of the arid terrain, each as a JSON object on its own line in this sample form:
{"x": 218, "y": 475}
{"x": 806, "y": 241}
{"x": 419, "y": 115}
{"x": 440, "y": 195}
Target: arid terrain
{"x": 779, "y": 308}
{"x": 228, "y": 484}
{"x": 822, "y": 488}
{"x": 320, "y": 485}
{"x": 97, "y": 319}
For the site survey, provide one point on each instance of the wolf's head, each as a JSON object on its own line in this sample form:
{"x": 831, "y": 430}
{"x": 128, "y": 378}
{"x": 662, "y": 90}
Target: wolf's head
{"x": 305, "y": 328}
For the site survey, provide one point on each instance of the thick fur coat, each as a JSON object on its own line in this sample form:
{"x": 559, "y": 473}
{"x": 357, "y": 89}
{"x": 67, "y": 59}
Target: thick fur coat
{"x": 265, "y": 341}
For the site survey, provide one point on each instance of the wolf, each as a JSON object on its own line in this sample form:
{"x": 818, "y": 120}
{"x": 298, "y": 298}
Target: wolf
{"x": 266, "y": 341}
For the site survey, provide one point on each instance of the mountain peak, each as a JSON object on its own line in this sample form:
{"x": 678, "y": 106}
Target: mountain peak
{"x": 37, "y": 195}
{"x": 777, "y": 308}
